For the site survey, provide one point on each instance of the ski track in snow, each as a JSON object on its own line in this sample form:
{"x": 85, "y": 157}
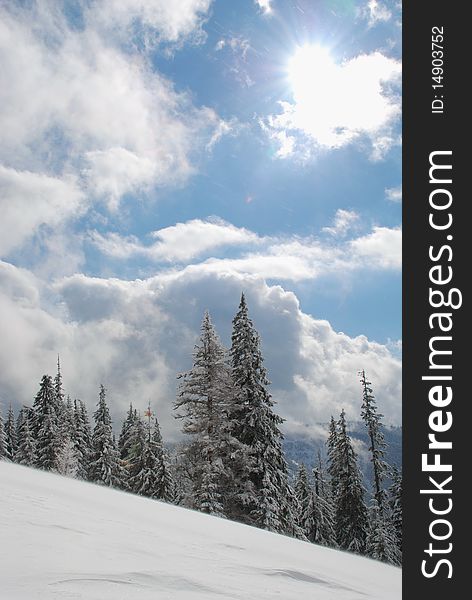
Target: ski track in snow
{"x": 64, "y": 539}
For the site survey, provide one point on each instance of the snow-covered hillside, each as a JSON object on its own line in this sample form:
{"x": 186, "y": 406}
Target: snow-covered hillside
{"x": 65, "y": 539}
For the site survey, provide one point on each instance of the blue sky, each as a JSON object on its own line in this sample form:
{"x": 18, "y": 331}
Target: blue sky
{"x": 159, "y": 159}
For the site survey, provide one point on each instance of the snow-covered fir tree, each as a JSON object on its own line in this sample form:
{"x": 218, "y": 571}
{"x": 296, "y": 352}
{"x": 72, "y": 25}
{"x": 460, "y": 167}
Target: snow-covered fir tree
{"x": 58, "y": 387}
{"x": 318, "y": 518}
{"x": 372, "y": 419}
{"x": 46, "y": 429}
{"x": 262, "y": 495}
{"x": 395, "y": 502}
{"x": 350, "y": 510}
{"x": 3, "y": 443}
{"x": 105, "y": 467}
{"x": 26, "y": 450}
{"x": 124, "y": 441}
{"x": 10, "y": 434}
{"x": 82, "y": 439}
{"x": 303, "y": 492}
{"x": 135, "y": 459}
{"x": 381, "y": 542}
{"x": 331, "y": 450}
{"x": 151, "y": 476}
{"x": 67, "y": 462}
{"x": 202, "y": 404}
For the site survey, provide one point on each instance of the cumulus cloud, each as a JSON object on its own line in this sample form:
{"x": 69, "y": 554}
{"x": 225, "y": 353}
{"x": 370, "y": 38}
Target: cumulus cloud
{"x": 156, "y": 21}
{"x": 376, "y": 12}
{"x": 29, "y": 200}
{"x": 394, "y": 194}
{"x": 265, "y": 6}
{"x": 180, "y": 242}
{"x": 96, "y": 120}
{"x": 343, "y": 222}
{"x": 134, "y": 336}
{"x": 337, "y": 104}
{"x": 282, "y": 258}
{"x": 382, "y": 248}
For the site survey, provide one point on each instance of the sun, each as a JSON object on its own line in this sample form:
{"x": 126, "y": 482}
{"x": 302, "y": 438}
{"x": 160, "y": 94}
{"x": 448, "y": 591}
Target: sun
{"x": 309, "y": 64}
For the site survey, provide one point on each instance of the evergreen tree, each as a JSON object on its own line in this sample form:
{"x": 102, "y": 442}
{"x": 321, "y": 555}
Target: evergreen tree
{"x": 381, "y": 542}
{"x": 350, "y": 510}
{"x": 48, "y": 442}
{"x": 151, "y": 476}
{"x": 303, "y": 495}
{"x": 82, "y": 439}
{"x": 67, "y": 462}
{"x": 105, "y": 467}
{"x": 58, "y": 388}
{"x": 165, "y": 482}
{"x": 395, "y": 501}
{"x": 45, "y": 426}
{"x": 202, "y": 404}
{"x": 263, "y": 496}
{"x": 3, "y": 442}
{"x": 10, "y": 434}
{"x": 372, "y": 420}
{"x": 26, "y": 450}
{"x": 319, "y": 515}
{"x": 124, "y": 441}
{"x": 137, "y": 460}
{"x": 333, "y": 463}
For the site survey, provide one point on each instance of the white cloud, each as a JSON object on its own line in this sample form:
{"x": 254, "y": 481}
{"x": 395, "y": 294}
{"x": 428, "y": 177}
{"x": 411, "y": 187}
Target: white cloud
{"x": 280, "y": 258}
{"x": 376, "y": 12}
{"x": 95, "y": 121}
{"x": 31, "y": 200}
{"x": 156, "y": 21}
{"x": 265, "y": 6}
{"x": 344, "y": 220}
{"x": 180, "y": 242}
{"x": 394, "y": 194}
{"x": 135, "y": 336}
{"x": 337, "y": 104}
{"x": 382, "y": 248}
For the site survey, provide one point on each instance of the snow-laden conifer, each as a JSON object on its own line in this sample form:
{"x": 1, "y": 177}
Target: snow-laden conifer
{"x": 350, "y": 510}
{"x": 372, "y": 419}
{"x": 395, "y": 502}
{"x": 202, "y": 404}
{"x": 105, "y": 467}
{"x": 82, "y": 439}
{"x": 26, "y": 449}
{"x": 262, "y": 496}
{"x": 10, "y": 434}
{"x": 381, "y": 541}
{"x": 3, "y": 443}
{"x": 45, "y": 425}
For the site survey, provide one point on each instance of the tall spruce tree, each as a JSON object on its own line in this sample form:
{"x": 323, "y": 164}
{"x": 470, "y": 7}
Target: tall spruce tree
{"x": 202, "y": 403}
{"x": 82, "y": 439}
{"x": 303, "y": 494}
{"x": 10, "y": 434}
{"x": 381, "y": 542}
{"x": 3, "y": 442}
{"x": 333, "y": 463}
{"x": 151, "y": 475}
{"x": 26, "y": 449}
{"x": 395, "y": 502}
{"x": 105, "y": 467}
{"x": 124, "y": 441}
{"x": 165, "y": 484}
{"x": 46, "y": 429}
{"x": 373, "y": 423}
{"x": 319, "y": 513}
{"x": 350, "y": 510}
{"x": 262, "y": 496}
